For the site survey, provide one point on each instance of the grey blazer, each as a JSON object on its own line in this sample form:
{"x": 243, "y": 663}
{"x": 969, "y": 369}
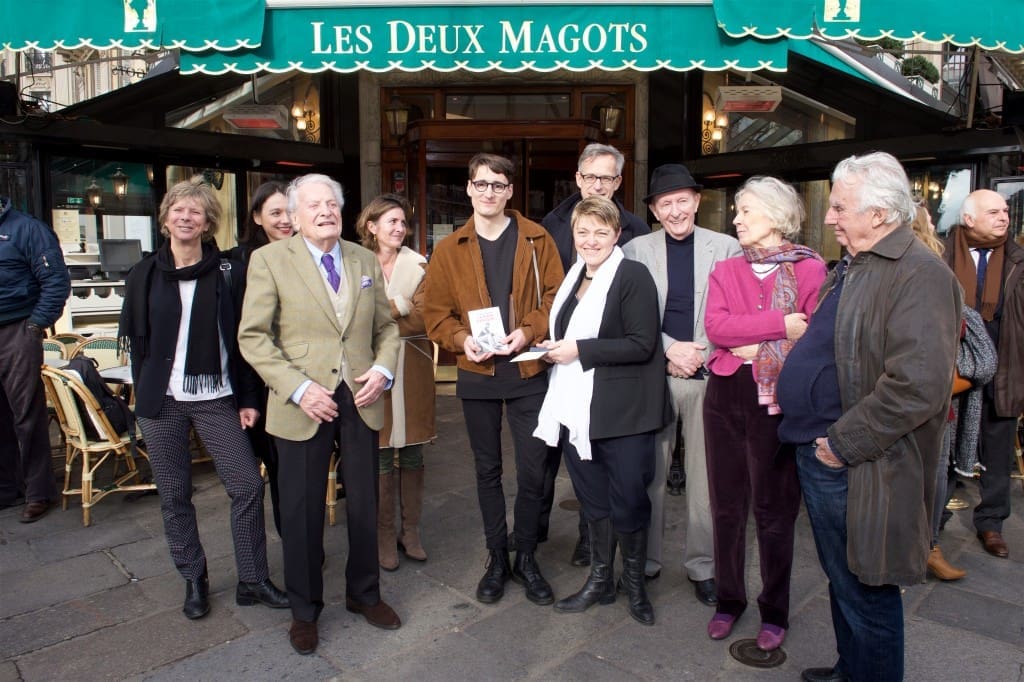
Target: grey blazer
{"x": 709, "y": 247}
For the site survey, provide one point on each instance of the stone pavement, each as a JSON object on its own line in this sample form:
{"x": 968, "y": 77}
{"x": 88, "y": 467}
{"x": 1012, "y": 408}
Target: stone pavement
{"x": 104, "y": 603}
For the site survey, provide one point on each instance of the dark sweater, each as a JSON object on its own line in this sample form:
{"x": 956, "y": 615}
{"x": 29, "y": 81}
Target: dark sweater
{"x": 808, "y": 387}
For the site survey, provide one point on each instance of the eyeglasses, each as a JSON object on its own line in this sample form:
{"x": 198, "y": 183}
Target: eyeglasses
{"x": 590, "y": 179}
{"x": 482, "y": 185}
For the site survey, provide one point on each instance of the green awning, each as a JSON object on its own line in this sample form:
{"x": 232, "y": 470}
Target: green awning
{"x": 486, "y": 37}
{"x": 131, "y": 24}
{"x": 991, "y": 24}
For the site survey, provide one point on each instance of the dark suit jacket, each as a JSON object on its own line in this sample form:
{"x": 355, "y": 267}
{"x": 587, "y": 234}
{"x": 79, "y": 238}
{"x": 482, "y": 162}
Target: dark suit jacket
{"x": 630, "y": 392}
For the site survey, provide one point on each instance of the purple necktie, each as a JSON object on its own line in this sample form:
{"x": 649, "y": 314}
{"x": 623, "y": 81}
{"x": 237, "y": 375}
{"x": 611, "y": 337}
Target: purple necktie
{"x": 327, "y": 260}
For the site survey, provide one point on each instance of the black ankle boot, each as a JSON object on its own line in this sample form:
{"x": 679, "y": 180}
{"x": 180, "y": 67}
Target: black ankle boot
{"x": 499, "y": 571}
{"x": 634, "y": 556}
{"x": 526, "y": 572}
{"x": 197, "y": 597}
{"x": 581, "y": 552}
{"x": 266, "y": 593}
{"x": 600, "y": 585}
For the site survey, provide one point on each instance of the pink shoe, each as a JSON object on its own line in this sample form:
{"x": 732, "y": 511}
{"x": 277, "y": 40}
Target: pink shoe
{"x": 720, "y": 625}
{"x": 770, "y": 638}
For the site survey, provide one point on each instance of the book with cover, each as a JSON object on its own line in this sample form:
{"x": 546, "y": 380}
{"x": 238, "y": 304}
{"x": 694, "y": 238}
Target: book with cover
{"x": 488, "y": 329}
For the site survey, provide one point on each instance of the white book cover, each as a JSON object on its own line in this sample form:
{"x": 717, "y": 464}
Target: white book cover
{"x": 488, "y": 329}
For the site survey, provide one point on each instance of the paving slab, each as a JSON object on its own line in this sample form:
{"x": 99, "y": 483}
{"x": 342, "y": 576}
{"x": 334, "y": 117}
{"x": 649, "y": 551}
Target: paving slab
{"x": 57, "y": 582}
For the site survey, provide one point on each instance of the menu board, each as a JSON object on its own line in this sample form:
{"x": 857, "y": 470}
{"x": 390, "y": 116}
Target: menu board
{"x": 65, "y": 224}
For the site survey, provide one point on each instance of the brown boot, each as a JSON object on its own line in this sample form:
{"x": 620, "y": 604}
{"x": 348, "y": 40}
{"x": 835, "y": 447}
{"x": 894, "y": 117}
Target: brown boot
{"x": 411, "y": 486}
{"x": 940, "y": 568}
{"x": 387, "y": 545}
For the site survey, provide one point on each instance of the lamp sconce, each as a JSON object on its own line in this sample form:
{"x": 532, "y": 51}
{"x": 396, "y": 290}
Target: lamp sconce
{"x": 120, "y": 180}
{"x": 934, "y": 189}
{"x": 397, "y": 116}
{"x": 307, "y": 120}
{"x": 712, "y": 130}
{"x": 94, "y": 193}
{"x": 610, "y": 113}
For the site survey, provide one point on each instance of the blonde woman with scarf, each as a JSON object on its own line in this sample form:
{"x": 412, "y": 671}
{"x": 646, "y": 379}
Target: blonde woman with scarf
{"x": 606, "y": 399}
{"x": 179, "y": 323}
{"x": 758, "y": 306}
{"x": 383, "y": 227}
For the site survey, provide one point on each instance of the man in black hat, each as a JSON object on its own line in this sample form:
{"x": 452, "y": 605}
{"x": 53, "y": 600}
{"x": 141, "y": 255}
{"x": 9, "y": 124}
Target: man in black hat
{"x": 680, "y": 257}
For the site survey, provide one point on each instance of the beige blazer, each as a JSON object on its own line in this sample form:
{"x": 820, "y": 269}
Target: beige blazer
{"x": 290, "y": 332}
{"x": 709, "y": 247}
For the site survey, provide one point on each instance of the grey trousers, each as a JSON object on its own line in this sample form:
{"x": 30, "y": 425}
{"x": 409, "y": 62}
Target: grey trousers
{"x": 699, "y": 552}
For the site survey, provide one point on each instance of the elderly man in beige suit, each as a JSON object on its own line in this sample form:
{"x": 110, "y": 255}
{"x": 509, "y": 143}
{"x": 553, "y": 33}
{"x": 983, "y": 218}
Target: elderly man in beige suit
{"x": 317, "y": 327}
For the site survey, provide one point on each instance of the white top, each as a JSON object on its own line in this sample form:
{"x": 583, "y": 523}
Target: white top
{"x": 175, "y": 389}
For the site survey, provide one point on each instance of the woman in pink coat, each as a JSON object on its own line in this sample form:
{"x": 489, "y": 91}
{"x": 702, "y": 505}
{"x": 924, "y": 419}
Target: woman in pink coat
{"x": 758, "y": 306}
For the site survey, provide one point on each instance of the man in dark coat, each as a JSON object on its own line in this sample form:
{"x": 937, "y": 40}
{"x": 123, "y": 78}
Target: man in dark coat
{"x": 34, "y": 286}
{"x": 599, "y": 173}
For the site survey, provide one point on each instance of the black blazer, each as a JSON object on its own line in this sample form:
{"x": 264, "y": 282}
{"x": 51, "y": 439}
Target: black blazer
{"x": 630, "y": 390}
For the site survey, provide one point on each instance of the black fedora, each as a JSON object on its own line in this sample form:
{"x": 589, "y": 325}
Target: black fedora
{"x": 668, "y": 178}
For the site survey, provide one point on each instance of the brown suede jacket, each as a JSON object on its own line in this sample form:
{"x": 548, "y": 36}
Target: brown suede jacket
{"x": 455, "y": 284}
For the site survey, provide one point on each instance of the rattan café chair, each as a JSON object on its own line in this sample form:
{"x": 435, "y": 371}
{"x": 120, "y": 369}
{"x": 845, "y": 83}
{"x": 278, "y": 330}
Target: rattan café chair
{"x": 67, "y": 393}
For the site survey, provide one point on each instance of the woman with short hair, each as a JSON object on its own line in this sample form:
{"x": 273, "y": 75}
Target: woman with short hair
{"x": 758, "y": 306}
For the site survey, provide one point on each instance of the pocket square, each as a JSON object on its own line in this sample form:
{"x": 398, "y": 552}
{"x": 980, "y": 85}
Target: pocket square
{"x": 366, "y": 282}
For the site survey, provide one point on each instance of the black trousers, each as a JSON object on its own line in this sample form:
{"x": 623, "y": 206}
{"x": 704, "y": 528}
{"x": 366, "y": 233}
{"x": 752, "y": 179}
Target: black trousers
{"x": 614, "y": 482}
{"x": 265, "y": 449}
{"x": 24, "y": 428}
{"x": 995, "y": 452}
{"x": 302, "y": 487}
{"x": 483, "y": 423}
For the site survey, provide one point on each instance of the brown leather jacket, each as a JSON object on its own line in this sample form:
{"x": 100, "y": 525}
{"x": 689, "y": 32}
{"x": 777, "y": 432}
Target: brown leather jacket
{"x": 455, "y": 284}
{"x": 896, "y": 338}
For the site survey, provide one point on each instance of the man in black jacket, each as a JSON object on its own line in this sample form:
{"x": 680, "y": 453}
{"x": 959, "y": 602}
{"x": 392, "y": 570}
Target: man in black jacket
{"x": 599, "y": 174}
{"x": 34, "y": 286}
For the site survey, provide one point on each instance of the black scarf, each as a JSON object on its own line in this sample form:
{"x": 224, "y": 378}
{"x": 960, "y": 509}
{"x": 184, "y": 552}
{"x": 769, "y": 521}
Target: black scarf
{"x": 152, "y": 314}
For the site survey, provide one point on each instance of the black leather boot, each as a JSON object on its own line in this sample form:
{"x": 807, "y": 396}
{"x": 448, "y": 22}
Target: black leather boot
{"x": 581, "y": 552}
{"x": 197, "y": 597}
{"x": 266, "y": 593}
{"x": 526, "y": 572}
{"x": 499, "y": 571}
{"x": 600, "y": 585}
{"x": 634, "y": 556}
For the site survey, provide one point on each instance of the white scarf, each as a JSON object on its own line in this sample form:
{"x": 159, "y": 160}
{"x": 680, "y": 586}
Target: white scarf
{"x": 570, "y": 388}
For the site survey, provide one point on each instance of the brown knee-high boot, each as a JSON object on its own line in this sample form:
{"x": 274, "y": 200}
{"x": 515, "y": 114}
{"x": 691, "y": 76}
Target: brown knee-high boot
{"x": 387, "y": 547}
{"x": 411, "y": 488}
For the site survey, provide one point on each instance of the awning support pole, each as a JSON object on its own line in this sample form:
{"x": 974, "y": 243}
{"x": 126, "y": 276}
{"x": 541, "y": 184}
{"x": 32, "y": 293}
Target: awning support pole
{"x": 974, "y": 88}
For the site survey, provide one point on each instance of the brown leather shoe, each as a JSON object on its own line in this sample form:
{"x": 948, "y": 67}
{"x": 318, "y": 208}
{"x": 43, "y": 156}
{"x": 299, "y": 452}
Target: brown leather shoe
{"x": 34, "y": 511}
{"x": 942, "y": 569}
{"x": 303, "y": 636}
{"x": 992, "y": 541}
{"x": 379, "y": 615}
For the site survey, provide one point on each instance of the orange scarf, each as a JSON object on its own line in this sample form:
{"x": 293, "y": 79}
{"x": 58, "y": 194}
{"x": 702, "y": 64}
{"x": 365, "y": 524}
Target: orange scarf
{"x": 967, "y": 272}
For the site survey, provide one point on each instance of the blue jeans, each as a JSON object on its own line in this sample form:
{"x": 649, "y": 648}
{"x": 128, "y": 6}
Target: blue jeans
{"x": 868, "y": 620}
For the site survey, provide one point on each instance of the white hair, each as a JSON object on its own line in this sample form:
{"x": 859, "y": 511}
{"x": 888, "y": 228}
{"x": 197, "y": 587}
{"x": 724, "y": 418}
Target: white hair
{"x": 313, "y": 178}
{"x": 883, "y": 185}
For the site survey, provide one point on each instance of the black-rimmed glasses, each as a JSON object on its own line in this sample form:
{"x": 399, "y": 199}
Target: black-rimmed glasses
{"x": 482, "y": 185}
{"x": 590, "y": 179}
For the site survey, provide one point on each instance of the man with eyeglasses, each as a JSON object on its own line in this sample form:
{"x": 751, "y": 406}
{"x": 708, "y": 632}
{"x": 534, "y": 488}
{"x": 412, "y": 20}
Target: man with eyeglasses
{"x": 599, "y": 173}
{"x": 498, "y": 259}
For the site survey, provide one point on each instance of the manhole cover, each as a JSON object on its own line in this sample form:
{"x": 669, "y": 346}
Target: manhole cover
{"x": 746, "y": 652}
{"x": 571, "y": 504}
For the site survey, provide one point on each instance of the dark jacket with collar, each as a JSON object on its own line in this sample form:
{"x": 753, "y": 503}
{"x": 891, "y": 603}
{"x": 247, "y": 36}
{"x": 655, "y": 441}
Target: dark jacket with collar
{"x": 34, "y": 281}
{"x": 559, "y": 224}
{"x": 630, "y": 393}
{"x": 896, "y": 336}
{"x": 1008, "y": 383}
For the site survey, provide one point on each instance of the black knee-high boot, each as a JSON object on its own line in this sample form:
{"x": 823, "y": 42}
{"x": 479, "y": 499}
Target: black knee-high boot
{"x": 634, "y": 556}
{"x": 600, "y": 585}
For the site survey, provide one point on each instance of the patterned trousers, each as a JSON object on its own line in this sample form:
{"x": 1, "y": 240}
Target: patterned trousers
{"x": 167, "y": 441}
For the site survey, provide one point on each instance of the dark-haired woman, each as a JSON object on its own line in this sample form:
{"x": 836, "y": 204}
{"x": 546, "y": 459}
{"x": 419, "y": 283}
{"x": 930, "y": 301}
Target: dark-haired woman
{"x": 268, "y": 221}
{"x": 383, "y": 226}
{"x": 180, "y": 323}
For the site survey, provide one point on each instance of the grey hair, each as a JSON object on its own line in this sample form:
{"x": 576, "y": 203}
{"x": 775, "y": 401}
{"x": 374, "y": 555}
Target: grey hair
{"x": 312, "y": 178}
{"x": 595, "y": 149}
{"x": 883, "y": 185}
{"x": 780, "y": 203}
{"x": 967, "y": 208}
